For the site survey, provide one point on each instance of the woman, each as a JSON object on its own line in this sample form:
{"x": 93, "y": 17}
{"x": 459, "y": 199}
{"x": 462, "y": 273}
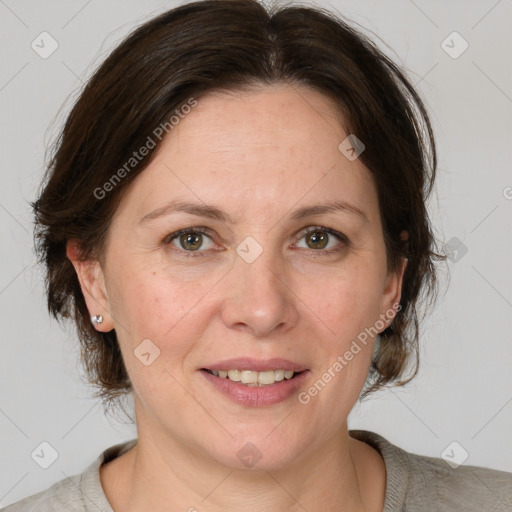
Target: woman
{"x": 235, "y": 219}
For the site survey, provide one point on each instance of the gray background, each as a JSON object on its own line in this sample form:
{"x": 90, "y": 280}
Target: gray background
{"x": 463, "y": 392}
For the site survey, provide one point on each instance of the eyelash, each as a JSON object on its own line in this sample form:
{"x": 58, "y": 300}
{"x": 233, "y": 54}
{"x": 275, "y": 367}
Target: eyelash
{"x": 194, "y": 254}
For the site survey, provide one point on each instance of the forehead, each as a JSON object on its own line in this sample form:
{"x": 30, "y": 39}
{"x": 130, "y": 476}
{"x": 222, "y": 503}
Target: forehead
{"x": 272, "y": 121}
{"x": 255, "y": 150}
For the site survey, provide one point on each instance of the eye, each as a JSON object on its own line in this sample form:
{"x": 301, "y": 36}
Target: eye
{"x": 194, "y": 241}
{"x": 325, "y": 239}
{"x": 190, "y": 240}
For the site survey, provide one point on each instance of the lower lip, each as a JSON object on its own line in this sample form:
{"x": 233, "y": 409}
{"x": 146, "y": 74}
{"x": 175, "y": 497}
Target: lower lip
{"x": 254, "y": 396}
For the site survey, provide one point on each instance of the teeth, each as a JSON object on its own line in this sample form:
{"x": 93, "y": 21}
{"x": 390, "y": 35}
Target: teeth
{"x": 266, "y": 377}
{"x": 279, "y": 375}
{"x": 248, "y": 377}
{"x": 251, "y": 378}
{"x": 234, "y": 375}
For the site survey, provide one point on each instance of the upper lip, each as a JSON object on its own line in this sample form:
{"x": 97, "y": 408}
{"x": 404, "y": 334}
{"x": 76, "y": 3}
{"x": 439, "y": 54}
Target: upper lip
{"x": 256, "y": 365}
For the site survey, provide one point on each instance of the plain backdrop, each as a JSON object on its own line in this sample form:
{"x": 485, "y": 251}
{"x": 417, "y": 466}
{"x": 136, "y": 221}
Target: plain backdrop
{"x": 463, "y": 392}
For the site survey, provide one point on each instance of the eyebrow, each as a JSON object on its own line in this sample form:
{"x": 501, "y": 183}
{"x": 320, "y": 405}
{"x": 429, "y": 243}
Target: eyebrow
{"x": 201, "y": 210}
{"x": 331, "y": 207}
{"x": 211, "y": 212}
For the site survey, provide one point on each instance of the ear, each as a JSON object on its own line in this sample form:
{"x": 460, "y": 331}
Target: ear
{"x": 92, "y": 282}
{"x": 392, "y": 293}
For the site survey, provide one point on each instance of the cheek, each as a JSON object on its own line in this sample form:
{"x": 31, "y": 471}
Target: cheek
{"x": 155, "y": 314}
{"x": 160, "y": 306}
{"x": 345, "y": 302}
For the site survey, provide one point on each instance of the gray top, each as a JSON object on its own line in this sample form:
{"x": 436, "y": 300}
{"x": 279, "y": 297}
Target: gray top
{"x": 414, "y": 483}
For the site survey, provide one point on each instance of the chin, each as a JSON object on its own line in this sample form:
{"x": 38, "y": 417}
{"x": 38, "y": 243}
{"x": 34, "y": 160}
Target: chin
{"x": 258, "y": 453}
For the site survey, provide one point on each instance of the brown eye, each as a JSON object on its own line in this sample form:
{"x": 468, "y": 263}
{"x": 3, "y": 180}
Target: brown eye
{"x": 326, "y": 239}
{"x": 190, "y": 241}
{"x": 317, "y": 239}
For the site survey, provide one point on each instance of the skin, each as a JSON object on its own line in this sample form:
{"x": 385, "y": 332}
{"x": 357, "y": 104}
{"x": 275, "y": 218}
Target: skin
{"x": 294, "y": 301}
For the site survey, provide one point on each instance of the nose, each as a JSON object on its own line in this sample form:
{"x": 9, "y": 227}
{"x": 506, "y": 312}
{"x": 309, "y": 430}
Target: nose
{"x": 258, "y": 300}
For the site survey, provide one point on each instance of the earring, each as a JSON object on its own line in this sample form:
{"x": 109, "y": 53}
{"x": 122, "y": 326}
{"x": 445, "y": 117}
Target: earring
{"x": 97, "y": 319}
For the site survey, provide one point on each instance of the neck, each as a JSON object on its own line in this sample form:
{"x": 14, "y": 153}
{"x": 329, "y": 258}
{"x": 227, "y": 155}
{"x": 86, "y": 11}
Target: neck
{"x": 160, "y": 474}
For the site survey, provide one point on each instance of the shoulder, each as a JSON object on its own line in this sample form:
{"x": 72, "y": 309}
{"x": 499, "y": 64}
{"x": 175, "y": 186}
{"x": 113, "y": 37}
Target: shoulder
{"x": 78, "y": 493}
{"x": 63, "y": 495}
{"x": 417, "y": 482}
{"x": 469, "y": 488}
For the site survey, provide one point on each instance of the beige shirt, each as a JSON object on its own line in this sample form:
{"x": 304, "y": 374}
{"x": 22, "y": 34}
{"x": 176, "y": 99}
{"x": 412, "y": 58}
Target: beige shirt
{"x": 414, "y": 483}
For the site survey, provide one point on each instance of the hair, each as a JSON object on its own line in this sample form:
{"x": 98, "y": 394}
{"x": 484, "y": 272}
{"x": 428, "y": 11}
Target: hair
{"x": 171, "y": 61}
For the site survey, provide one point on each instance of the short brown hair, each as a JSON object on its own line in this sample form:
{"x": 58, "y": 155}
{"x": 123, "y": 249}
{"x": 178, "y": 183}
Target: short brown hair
{"x": 233, "y": 44}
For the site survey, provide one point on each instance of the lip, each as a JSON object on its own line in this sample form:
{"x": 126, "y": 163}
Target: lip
{"x": 255, "y": 365}
{"x": 256, "y": 396}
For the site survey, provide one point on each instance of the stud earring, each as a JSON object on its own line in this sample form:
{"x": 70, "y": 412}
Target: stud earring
{"x": 97, "y": 319}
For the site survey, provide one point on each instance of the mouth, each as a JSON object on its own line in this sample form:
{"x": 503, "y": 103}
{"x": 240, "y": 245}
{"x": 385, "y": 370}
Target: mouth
{"x": 251, "y": 378}
{"x": 258, "y": 387}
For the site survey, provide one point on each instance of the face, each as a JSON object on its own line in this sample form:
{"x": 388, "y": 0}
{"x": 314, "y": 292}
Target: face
{"x": 264, "y": 271}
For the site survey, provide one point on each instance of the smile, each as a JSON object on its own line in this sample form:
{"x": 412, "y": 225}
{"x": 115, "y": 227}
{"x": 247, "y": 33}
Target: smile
{"x": 253, "y": 378}
{"x": 244, "y": 387}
